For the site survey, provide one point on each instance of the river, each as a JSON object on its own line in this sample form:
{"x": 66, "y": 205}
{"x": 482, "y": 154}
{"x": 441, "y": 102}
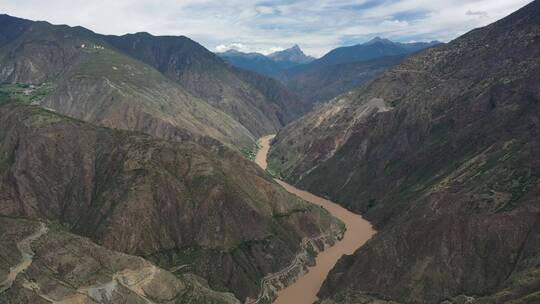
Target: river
{"x": 359, "y": 230}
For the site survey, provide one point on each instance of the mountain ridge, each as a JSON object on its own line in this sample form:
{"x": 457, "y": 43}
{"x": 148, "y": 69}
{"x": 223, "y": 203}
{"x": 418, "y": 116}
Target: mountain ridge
{"x": 270, "y": 65}
{"x": 204, "y": 75}
{"x": 173, "y": 203}
{"x": 40, "y": 52}
{"x": 341, "y": 69}
{"x": 438, "y": 148}
{"x": 293, "y": 54}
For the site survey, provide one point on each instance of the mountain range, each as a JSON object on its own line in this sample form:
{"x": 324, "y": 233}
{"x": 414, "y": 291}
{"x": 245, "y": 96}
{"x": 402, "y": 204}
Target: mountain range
{"x": 126, "y": 172}
{"x": 439, "y": 152}
{"x": 116, "y": 81}
{"x": 271, "y": 65}
{"x": 340, "y": 70}
{"x": 127, "y": 148}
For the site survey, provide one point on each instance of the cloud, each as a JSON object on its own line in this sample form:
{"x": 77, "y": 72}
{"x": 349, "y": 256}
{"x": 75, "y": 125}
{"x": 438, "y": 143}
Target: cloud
{"x": 266, "y": 25}
{"x": 246, "y": 49}
{"x": 233, "y": 46}
{"x": 266, "y": 10}
{"x": 478, "y": 13}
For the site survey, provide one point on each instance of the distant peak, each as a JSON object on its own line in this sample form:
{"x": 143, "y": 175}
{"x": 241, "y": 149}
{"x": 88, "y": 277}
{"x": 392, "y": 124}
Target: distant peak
{"x": 296, "y": 47}
{"x": 293, "y": 49}
{"x": 378, "y": 39}
{"x": 293, "y": 54}
{"x": 145, "y": 34}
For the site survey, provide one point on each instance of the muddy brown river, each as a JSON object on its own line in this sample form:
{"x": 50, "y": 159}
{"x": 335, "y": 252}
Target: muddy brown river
{"x": 359, "y": 230}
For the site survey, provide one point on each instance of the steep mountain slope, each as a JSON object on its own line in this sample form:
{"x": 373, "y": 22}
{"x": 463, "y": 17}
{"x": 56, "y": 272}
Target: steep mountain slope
{"x": 271, "y": 65}
{"x": 326, "y": 82}
{"x": 177, "y": 204}
{"x": 441, "y": 154}
{"x": 93, "y": 81}
{"x": 206, "y": 76}
{"x": 346, "y": 68}
{"x": 293, "y": 55}
{"x": 318, "y": 80}
{"x": 254, "y": 62}
{"x": 375, "y": 48}
{"x": 59, "y": 266}
{"x": 277, "y": 94}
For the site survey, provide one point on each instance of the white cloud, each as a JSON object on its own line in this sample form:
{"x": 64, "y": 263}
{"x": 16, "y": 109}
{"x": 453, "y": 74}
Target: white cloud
{"x": 233, "y": 46}
{"x": 271, "y": 50}
{"x": 266, "y": 10}
{"x": 246, "y": 49}
{"x": 263, "y": 26}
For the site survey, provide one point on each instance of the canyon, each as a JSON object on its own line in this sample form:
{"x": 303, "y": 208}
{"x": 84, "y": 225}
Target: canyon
{"x": 357, "y": 231}
{"x": 140, "y": 168}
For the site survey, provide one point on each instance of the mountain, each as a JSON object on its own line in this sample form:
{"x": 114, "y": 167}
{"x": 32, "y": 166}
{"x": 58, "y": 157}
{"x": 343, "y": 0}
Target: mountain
{"x": 252, "y": 62}
{"x": 346, "y": 68}
{"x": 324, "y": 83}
{"x": 292, "y": 55}
{"x": 271, "y": 65}
{"x": 181, "y": 205}
{"x": 319, "y": 80}
{"x": 169, "y": 87}
{"x": 440, "y": 153}
{"x": 206, "y": 76}
{"x": 91, "y": 80}
{"x": 71, "y": 269}
{"x": 375, "y": 48}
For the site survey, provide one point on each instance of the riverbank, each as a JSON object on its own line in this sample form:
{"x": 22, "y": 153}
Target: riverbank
{"x": 304, "y": 290}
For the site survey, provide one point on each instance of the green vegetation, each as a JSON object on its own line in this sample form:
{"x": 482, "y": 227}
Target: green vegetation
{"x": 518, "y": 184}
{"x": 6, "y": 159}
{"x": 274, "y": 169}
{"x": 291, "y": 212}
{"x": 246, "y": 245}
{"x": 175, "y": 258}
{"x": 250, "y": 152}
{"x": 26, "y": 93}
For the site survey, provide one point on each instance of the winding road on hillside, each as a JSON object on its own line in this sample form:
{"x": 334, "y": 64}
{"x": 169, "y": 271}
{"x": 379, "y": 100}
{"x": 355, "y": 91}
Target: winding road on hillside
{"x": 25, "y": 247}
{"x": 359, "y": 230}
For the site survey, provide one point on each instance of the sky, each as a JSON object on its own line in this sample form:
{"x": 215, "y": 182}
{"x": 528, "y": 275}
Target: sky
{"x": 265, "y": 26}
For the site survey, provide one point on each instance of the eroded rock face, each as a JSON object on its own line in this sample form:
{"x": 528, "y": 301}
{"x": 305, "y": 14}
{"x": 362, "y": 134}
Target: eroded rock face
{"x": 440, "y": 153}
{"x": 173, "y": 203}
{"x": 69, "y": 268}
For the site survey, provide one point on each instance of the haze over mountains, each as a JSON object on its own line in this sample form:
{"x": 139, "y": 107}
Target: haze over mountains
{"x": 271, "y": 65}
{"x": 126, "y": 172}
{"x": 340, "y": 70}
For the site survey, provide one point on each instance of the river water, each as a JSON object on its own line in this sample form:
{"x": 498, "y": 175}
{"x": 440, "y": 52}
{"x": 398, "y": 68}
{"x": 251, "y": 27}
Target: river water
{"x": 359, "y": 230}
